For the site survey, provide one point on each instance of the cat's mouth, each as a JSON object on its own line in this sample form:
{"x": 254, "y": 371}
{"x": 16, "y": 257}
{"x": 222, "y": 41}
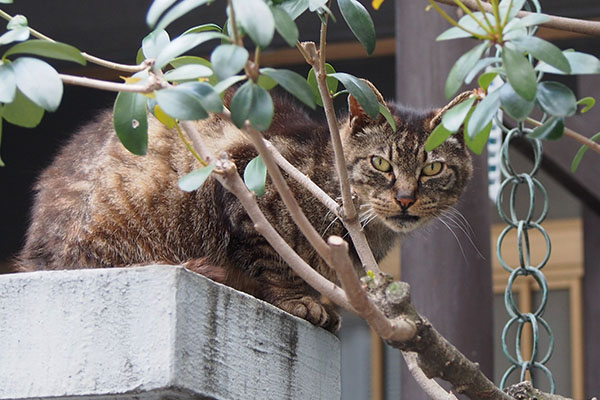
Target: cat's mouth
{"x": 406, "y": 218}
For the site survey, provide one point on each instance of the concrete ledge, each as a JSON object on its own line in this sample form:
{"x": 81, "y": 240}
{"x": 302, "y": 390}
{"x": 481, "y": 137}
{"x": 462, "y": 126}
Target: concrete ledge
{"x": 153, "y": 333}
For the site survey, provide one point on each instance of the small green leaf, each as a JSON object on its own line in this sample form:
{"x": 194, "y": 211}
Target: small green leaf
{"x": 18, "y": 21}
{"x": 204, "y": 28}
{"x": 556, "y": 99}
{"x": 6, "y": 1}
{"x": 44, "y": 48}
{"x": 241, "y": 102}
{"x": 485, "y": 80}
{"x": 157, "y": 8}
{"x": 180, "y": 103}
{"x": 477, "y": 144}
{"x": 8, "y": 85}
{"x": 332, "y": 83}
{"x": 228, "y": 60}
{"x": 131, "y": 122}
{"x": 453, "y": 33}
{"x": 255, "y": 176}
{"x": 587, "y": 102}
{"x": 187, "y": 60}
{"x": 188, "y": 72}
{"x": 437, "y": 137}
{"x": 293, "y": 83}
{"x": 285, "y": 25}
{"x": 154, "y": 43}
{"x": 253, "y": 103}
{"x": 266, "y": 82}
{"x": 226, "y": 83}
{"x": 139, "y": 57}
{"x": 360, "y": 23}
{"x": 520, "y": 73}
{"x": 182, "y": 44}
{"x": 509, "y": 9}
{"x": 454, "y": 117}
{"x": 581, "y": 152}
{"x": 361, "y": 92}
{"x": 255, "y": 17}
{"x": 23, "y": 112}
{"x": 163, "y": 117}
{"x": 383, "y": 110}
{"x": 580, "y": 63}
{"x": 39, "y": 82}
{"x": 14, "y": 35}
{"x": 195, "y": 179}
{"x": 483, "y": 113}
{"x": 513, "y": 104}
{"x": 295, "y": 8}
{"x": 530, "y": 20}
{"x": 543, "y": 51}
{"x": 552, "y": 129}
{"x": 205, "y": 94}
{"x": 178, "y": 11}
{"x": 462, "y": 67}
{"x": 469, "y": 24}
{"x": 479, "y": 66}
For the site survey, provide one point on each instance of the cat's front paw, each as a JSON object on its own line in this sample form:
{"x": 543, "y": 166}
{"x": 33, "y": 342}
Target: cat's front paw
{"x": 313, "y": 311}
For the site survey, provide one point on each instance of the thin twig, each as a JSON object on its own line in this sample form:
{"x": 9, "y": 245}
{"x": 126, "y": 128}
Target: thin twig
{"x": 573, "y": 135}
{"x": 429, "y": 386}
{"x": 108, "y": 86}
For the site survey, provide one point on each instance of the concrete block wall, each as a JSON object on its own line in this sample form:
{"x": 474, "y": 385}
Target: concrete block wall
{"x": 154, "y": 332}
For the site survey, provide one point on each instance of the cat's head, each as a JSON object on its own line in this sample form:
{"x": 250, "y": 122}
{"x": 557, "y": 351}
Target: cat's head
{"x": 396, "y": 180}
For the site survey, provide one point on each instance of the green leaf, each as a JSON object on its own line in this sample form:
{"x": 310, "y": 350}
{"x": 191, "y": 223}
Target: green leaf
{"x": 513, "y": 104}
{"x": 520, "y": 73}
{"x": 285, "y": 25}
{"x": 485, "y": 80}
{"x": 241, "y": 102}
{"x": 205, "y": 94}
{"x": 204, "y": 28}
{"x": 361, "y": 92}
{"x": 483, "y": 114}
{"x": 255, "y": 176}
{"x": 477, "y": 144}
{"x": 530, "y": 20}
{"x": 544, "y": 51}
{"x": 462, "y": 67}
{"x": 44, "y": 48}
{"x": 131, "y": 122}
{"x": 228, "y": 60}
{"x": 437, "y": 137}
{"x": 587, "y": 102}
{"x": 23, "y": 112}
{"x": 195, "y": 179}
{"x": 453, "y": 33}
{"x": 8, "y": 85}
{"x": 39, "y": 82}
{"x": 154, "y": 43}
{"x": 332, "y": 83}
{"x": 479, "y": 66}
{"x": 180, "y": 103}
{"x": 468, "y": 23}
{"x": 255, "y": 17}
{"x": 187, "y": 60}
{"x": 556, "y": 99}
{"x": 358, "y": 19}
{"x": 178, "y": 11}
{"x": 295, "y": 8}
{"x": 552, "y": 129}
{"x": 14, "y": 35}
{"x": 266, "y": 82}
{"x": 163, "y": 117}
{"x": 454, "y": 117}
{"x": 226, "y": 83}
{"x": 182, "y": 44}
{"x": 139, "y": 57}
{"x": 253, "y": 103}
{"x": 188, "y": 72}
{"x": 293, "y": 83}
{"x": 6, "y": 1}
{"x": 157, "y": 8}
{"x": 580, "y": 153}
{"x": 580, "y": 63}
{"x": 383, "y": 110}
{"x": 18, "y": 21}
{"x": 509, "y": 9}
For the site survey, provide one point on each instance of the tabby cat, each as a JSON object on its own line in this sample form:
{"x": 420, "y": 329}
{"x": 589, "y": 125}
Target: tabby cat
{"x": 99, "y": 206}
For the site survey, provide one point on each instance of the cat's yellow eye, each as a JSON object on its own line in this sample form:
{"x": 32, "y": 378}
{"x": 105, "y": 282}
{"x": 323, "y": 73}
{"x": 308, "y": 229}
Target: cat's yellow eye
{"x": 433, "y": 168}
{"x": 381, "y": 164}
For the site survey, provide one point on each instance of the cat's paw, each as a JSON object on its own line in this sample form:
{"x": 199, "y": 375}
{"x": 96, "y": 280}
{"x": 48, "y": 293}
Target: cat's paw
{"x": 313, "y": 311}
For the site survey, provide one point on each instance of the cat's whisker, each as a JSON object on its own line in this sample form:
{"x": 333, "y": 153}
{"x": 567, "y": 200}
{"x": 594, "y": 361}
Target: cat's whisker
{"x": 468, "y": 233}
{"x": 329, "y": 226}
{"x": 456, "y": 212}
{"x": 455, "y": 237}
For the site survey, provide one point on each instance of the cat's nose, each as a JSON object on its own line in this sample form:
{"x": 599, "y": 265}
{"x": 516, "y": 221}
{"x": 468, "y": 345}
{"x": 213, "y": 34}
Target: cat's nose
{"x": 405, "y": 200}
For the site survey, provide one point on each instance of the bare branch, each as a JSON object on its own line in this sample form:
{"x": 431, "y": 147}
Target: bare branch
{"x": 561, "y": 23}
{"x": 109, "y": 86}
{"x": 573, "y": 135}
{"x": 429, "y": 386}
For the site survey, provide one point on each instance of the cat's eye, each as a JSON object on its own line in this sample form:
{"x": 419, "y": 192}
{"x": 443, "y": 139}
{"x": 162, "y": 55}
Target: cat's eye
{"x": 433, "y": 168}
{"x": 381, "y": 164}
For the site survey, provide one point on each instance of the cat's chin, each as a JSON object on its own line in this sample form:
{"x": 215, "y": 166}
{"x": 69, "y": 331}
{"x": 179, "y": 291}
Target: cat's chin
{"x": 403, "y": 223}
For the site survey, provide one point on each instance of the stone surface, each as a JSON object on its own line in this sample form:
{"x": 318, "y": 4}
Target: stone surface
{"x": 154, "y": 332}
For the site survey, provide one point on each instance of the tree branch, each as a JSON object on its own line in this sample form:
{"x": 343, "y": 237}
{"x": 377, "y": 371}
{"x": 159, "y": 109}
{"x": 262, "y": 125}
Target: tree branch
{"x": 578, "y": 137}
{"x": 562, "y": 23}
{"x": 110, "y": 86}
{"x": 429, "y": 386}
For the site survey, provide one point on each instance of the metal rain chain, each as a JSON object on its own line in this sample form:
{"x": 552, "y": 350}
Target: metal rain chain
{"x": 514, "y": 180}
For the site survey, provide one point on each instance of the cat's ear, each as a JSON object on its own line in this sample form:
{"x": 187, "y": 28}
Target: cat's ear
{"x": 439, "y": 113}
{"x": 358, "y": 117}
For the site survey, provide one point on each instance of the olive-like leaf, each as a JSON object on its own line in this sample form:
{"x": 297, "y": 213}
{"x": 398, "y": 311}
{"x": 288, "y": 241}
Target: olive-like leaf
{"x": 131, "y": 122}
{"x": 180, "y": 103}
{"x": 513, "y": 104}
{"x": 205, "y": 94}
{"x": 479, "y": 66}
{"x": 241, "y": 102}
{"x": 525, "y": 22}
{"x": 44, "y": 48}
{"x": 23, "y": 112}
{"x": 454, "y": 117}
{"x": 154, "y": 43}
{"x": 255, "y": 17}
{"x": 483, "y": 113}
{"x": 462, "y": 67}
{"x": 580, "y": 63}
{"x": 332, "y": 83}
{"x": 157, "y": 8}
{"x": 587, "y": 102}
{"x": 39, "y": 82}
{"x": 509, "y": 9}
{"x": 469, "y": 24}
{"x": 556, "y": 99}
{"x": 285, "y": 25}
{"x": 188, "y": 72}
{"x": 178, "y": 11}
{"x": 485, "y": 80}
{"x": 228, "y": 60}
{"x": 579, "y": 156}
{"x": 358, "y": 19}
{"x": 8, "y": 84}
{"x": 477, "y": 144}
{"x": 294, "y": 8}
{"x": 14, "y": 35}
{"x": 437, "y": 137}
{"x": 361, "y": 92}
{"x": 552, "y": 129}
{"x": 255, "y": 176}
{"x": 262, "y": 110}
{"x": 184, "y": 43}
{"x": 519, "y": 72}
{"x": 163, "y": 117}
{"x": 543, "y": 51}
{"x": 226, "y": 83}
{"x": 195, "y": 179}
{"x": 383, "y": 110}
{"x": 293, "y": 83}
{"x": 203, "y": 28}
